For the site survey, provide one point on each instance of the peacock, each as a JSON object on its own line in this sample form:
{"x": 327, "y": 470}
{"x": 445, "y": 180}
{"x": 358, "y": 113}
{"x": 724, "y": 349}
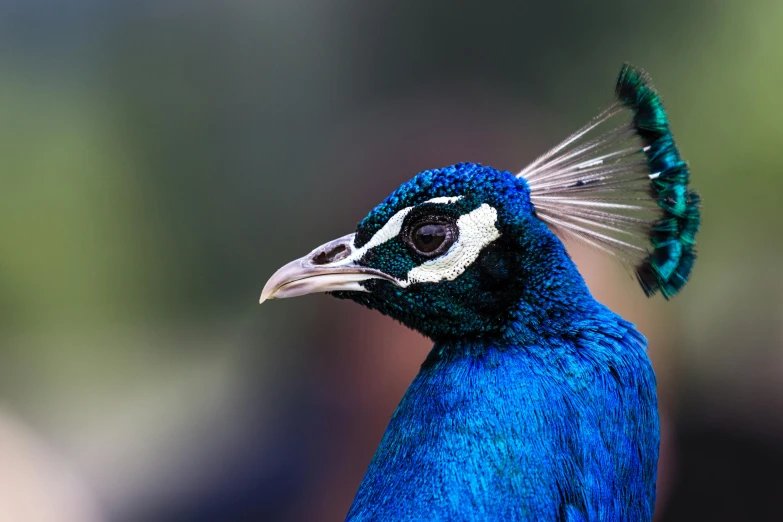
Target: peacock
{"x": 536, "y": 402}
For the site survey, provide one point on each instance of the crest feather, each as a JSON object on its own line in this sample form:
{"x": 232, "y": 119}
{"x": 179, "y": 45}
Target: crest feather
{"x": 625, "y": 190}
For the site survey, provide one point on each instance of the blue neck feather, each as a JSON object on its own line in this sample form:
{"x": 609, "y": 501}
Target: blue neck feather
{"x": 552, "y": 418}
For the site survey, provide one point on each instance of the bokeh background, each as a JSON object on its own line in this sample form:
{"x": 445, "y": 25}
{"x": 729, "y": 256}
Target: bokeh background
{"x": 159, "y": 160}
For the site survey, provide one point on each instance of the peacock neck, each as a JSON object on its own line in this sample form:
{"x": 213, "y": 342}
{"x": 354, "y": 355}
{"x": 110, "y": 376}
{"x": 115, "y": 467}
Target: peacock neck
{"x": 552, "y": 306}
{"x": 500, "y": 428}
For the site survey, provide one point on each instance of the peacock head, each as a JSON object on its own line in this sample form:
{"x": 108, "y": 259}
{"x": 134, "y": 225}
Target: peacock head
{"x": 448, "y": 253}
{"x": 467, "y": 250}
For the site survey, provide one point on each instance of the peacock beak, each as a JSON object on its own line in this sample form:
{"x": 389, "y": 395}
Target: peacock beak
{"x": 330, "y": 267}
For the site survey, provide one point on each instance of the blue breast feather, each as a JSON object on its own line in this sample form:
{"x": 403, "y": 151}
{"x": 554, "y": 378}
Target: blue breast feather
{"x": 565, "y": 429}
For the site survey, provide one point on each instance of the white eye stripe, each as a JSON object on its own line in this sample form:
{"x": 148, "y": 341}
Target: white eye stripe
{"x": 476, "y": 231}
{"x": 444, "y": 199}
{"x": 389, "y": 231}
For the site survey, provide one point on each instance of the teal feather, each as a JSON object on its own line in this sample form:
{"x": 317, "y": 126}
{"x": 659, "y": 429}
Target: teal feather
{"x": 626, "y": 191}
{"x": 668, "y": 267}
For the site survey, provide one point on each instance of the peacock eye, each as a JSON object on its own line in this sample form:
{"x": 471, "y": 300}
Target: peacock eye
{"x": 427, "y": 238}
{"x": 431, "y": 238}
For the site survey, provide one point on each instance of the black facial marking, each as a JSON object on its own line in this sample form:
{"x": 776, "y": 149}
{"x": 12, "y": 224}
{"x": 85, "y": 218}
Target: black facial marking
{"x": 496, "y": 266}
{"x": 499, "y": 279}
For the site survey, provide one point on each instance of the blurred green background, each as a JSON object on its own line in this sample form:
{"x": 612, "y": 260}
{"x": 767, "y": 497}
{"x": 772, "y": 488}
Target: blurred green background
{"x": 160, "y": 160}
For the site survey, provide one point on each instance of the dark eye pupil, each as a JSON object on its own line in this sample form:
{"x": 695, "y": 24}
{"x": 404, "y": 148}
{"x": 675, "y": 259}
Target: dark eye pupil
{"x": 427, "y": 238}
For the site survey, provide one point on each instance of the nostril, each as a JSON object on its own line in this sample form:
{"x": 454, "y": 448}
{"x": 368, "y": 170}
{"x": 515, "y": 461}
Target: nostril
{"x": 331, "y": 255}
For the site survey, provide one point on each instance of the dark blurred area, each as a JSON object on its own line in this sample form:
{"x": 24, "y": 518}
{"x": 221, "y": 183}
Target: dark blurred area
{"x": 160, "y": 160}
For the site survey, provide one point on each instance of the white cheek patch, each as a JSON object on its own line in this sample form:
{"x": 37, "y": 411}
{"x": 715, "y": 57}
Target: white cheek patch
{"x": 476, "y": 231}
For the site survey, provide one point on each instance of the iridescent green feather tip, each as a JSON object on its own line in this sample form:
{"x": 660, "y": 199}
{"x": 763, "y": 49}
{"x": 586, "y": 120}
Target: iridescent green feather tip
{"x": 673, "y": 236}
{"x": 627, "y": 198}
